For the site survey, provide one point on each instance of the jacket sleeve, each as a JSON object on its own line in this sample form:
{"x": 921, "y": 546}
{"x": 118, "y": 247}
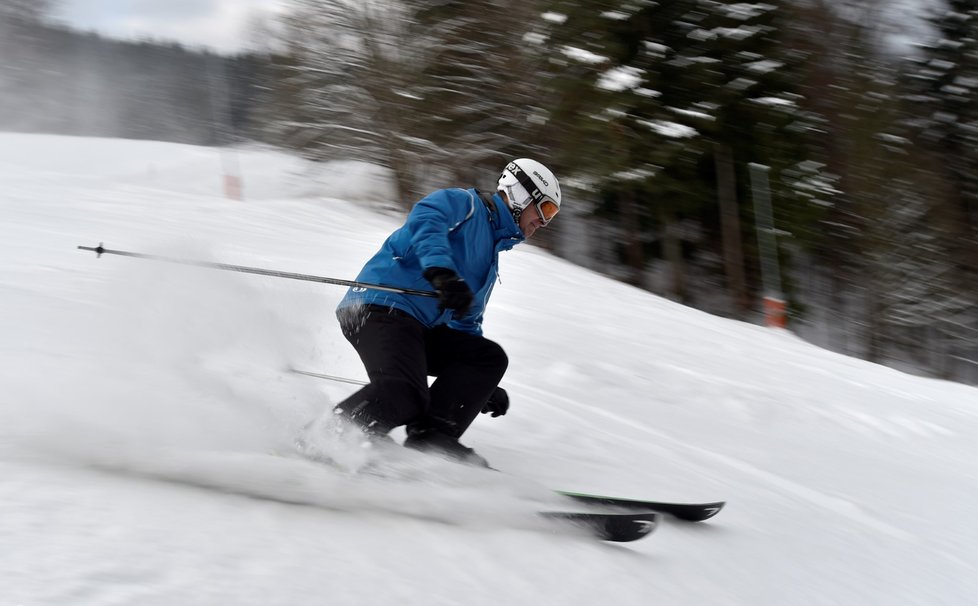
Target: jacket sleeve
{"x": 432, "y": 220}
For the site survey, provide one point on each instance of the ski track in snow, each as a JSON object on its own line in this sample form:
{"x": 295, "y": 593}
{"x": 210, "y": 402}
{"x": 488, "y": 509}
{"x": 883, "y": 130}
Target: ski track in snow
{"x": 663, "y": 442}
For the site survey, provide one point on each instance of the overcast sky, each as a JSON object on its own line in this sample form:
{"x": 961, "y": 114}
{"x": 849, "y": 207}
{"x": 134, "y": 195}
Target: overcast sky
{"x": 225, "y": 25}
{"x": 222, "y": 25}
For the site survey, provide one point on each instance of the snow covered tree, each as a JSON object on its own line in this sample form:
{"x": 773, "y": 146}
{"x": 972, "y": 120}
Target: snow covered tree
{"x": 849, "y": 85}
{"x": 674, "y": 99}
{"x": 945, "y": 121}
{"x": 742, "y": 77}
{"x": 350, "y": 72}
{"x": 435, "y": 90}
{"x": 22, "y": 54}
{"x": 883, "y": 251}
{"x": 480, "y": 92}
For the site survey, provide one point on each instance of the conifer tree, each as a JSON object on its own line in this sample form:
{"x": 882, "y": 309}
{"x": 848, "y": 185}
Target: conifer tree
{"x": 945, "y": 86}
{"x": 676, "y": 98}
{"x": 943, "y": 121}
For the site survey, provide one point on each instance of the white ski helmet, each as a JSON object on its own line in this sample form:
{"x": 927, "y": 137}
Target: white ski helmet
{"x": 525, "y": 182}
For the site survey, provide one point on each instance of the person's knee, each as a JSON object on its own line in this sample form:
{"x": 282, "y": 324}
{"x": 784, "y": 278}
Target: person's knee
{"x": 496, "y": 357}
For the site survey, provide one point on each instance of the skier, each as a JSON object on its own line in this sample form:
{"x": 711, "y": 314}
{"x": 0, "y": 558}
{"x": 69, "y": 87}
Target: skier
{"x": 450, "y": 241}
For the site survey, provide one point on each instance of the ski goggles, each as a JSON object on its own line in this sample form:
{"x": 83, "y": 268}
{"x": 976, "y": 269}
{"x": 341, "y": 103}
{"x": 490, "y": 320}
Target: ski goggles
{"x": 546, "y": 207}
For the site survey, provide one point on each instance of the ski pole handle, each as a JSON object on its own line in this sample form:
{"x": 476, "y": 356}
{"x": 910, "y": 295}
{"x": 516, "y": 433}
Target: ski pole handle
{"x": 101, "y": 250}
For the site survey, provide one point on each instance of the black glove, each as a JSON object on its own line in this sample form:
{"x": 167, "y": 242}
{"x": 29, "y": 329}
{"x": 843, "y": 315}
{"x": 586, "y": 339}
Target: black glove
{"x": 498, "y": 403}
{"x": 453, "y": 292}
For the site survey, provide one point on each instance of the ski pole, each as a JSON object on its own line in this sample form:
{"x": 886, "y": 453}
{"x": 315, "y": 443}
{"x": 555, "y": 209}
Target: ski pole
{"x": 320, "y": 375}
{"x": 100, "y": 250}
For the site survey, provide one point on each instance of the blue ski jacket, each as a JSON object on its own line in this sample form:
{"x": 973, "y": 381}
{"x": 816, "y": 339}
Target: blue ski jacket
{"x": 451, "y": 228}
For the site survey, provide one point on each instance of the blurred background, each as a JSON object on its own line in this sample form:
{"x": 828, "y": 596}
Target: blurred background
{"x": 727, "y": 155}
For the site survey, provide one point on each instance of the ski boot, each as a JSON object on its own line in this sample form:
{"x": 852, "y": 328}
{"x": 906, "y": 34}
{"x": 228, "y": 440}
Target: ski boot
{"x": 434, "y": 441}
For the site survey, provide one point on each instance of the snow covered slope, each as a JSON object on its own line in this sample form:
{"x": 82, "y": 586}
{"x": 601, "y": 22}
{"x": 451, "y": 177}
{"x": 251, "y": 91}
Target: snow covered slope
{"x": 848, "y": 483}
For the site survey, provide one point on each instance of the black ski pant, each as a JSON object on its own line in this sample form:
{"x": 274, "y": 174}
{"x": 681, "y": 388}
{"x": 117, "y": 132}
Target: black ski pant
{"x": 399, "y": 354}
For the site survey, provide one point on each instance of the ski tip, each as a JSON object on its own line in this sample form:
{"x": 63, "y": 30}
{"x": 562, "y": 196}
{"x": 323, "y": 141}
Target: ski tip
{"x": 615, "y": 527}
{"x": 706, "y": 511}
{"x": 630, "y": 528}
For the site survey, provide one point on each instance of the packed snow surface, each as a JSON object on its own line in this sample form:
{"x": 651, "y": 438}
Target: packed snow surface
{"x": 146, "y": 407}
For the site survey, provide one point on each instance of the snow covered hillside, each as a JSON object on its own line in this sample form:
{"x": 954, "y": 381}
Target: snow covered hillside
{"x": 847, "y": 483}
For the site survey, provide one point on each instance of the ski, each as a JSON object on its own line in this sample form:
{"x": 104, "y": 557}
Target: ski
{"x": 690, "y": 512}
{"x": 617, "y": 527}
